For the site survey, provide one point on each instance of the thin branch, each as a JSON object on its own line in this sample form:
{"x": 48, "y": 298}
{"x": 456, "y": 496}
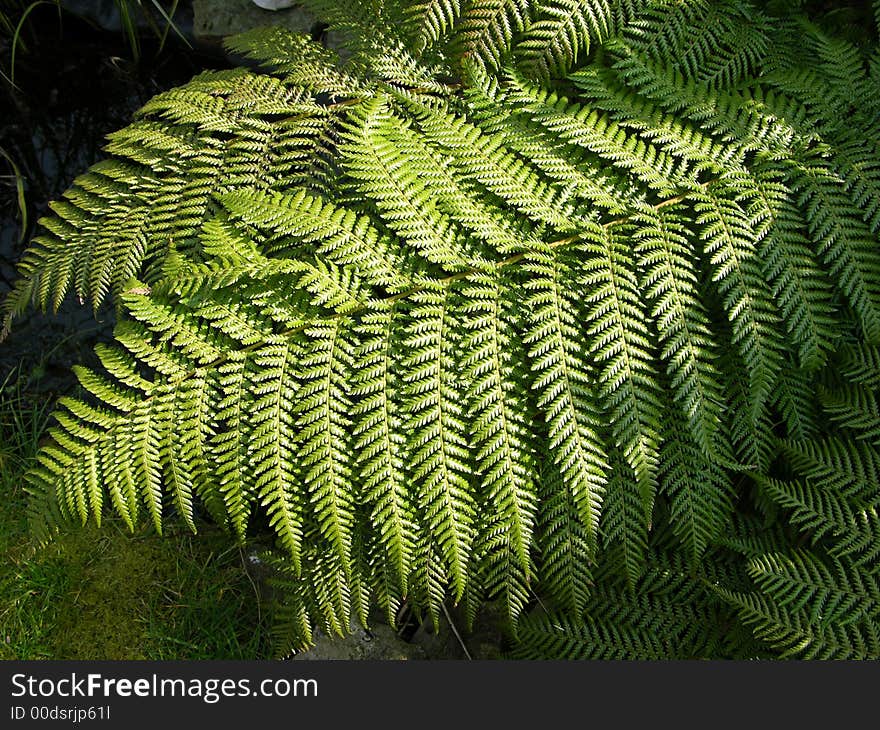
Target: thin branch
{"x": 455, "y": 631}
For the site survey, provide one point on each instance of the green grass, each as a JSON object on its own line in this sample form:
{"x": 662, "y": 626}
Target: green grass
{"x": 105, "y": 593}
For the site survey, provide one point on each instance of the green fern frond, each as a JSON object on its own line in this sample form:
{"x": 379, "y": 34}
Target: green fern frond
{"x": 561, "y": 305}
{"x": 440, "y": 458}
{"x": 667, "y": 616}
{"x": 561, "y": 31}
{"x": 498, "y": 407}
{"x": 833, "y": 595}
{"x": 670, "y": 283}
{"x": 381, "y": 442}
{"x": 321, "y": 411}
{"x": 567, "y": 544}
{"x": 845, "y": 243}
{"x": 726, "y": 230}
{"x": 699, "y": 489}
{"x": 586, "y": 128}
{"x": 431, "y": 20}
{"x": 794, "y": 635}
{"x": 855, "y": 407}
{"x": 620, "y": 347}
{"x": 487, "y": 29}
{"x": 716, "y": 43}
{"x": 860, "y": 364}
{"x": 563, "y": 381}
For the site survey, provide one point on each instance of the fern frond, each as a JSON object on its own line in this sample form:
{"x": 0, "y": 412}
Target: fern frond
{"x": 304, "y": 63}
{"x": 800, "y": 285}
{"x": 563, "y": 381}
{"x": 860, "y": 364}
{"x": 436, "y": 429}
{"x": 683, "y": 141}
{"x": 498, "y": 408}
{"x": 833, "y": 595}
{"x": 483, "y": 159}
{"x": 274, "y": 460}
{"x": 625, "y": 519}
{"x": 487, "y": 28}
{"x": 563, "y": 304}
{"x": 793, "y": 634}
{"x": 431, "y": 19}
{"x": 843, "y": 241}
{"x": 377, "y": 165}
{"x": 562, "y": 30}
{"x": 854, "y": 407}
{"x": 667, "y": 616}
{"x": 567, "y": 543}
{"x": 841, "y": 465}
{"x": 670, "y": 283}
{"x": 321, "y": 412}
{"x": 795, "y": 401}
{"x": 120, "y": 219}
{"x": 700, "y": 491}
{"x": 230, "y": 444}
{"x": 566, "y": 166}
{"x": 344, "y": 237}
{"x": 583, "y": 127}
{"x": 717, "y": 43}
{"x": 854, "y": 528}
{"x": 619, "y": 345}
{"x": 378, "y": 428}
{"x": 747, "y": 119}
{"x": 727, "y": 232}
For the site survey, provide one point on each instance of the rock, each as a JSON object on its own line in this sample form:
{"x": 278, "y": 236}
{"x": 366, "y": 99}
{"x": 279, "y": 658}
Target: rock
{"x": 274, "y": 4}
{"x": 380, "y": 642}
{"x": 215, "y": 19}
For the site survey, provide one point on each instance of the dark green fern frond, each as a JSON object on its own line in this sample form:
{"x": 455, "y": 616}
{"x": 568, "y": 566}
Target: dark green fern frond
{"x": 729, "y": 240}
{"x": 800, "y": 286}
{"x": 699, "y": 489}
{"x": 795, "y": 635}
{"x": 716, "y": 43}
{"x": 668, "y": 615}
{"x": 847, "y": 246}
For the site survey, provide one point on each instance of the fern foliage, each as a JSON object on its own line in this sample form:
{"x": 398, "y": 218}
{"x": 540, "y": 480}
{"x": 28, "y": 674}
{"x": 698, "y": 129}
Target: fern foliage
{"x": 571, "y": 306}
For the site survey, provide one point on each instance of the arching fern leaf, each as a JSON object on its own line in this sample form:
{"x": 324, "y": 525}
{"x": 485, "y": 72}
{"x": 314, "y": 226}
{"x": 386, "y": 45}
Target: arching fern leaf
{"x": 575, "y": 301}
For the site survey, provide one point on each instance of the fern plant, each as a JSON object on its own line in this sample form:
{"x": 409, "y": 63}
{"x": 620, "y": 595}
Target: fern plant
{"x": 569, "y": 305}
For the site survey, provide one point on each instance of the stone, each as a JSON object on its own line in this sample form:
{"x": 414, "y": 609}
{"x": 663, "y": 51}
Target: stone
{"x": 379, "y": 643}
{"x": 274, "y": 4}
{"x": 215, "y": 19}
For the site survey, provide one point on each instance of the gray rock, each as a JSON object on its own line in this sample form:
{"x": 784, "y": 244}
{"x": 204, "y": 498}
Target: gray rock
{"x": 219, "y": 18}
{"x": 274, "y": 4}
{"x": 380, "y": 642}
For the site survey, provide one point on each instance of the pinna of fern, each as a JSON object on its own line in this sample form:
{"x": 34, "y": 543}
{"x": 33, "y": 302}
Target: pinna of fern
{"x": 794, "y": 576}
{"x": 524, "y": 299}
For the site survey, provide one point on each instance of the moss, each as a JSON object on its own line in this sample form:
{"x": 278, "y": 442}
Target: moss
{"x": 105, "y": 594}
{"x": 109, "y": 582}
